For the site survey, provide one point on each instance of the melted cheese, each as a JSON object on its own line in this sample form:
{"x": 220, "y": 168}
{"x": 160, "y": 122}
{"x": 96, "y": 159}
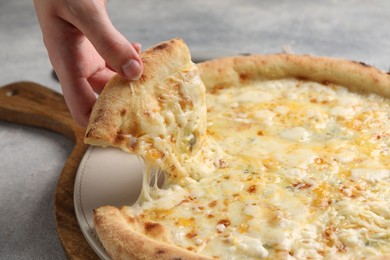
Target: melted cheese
{"x": 301, "y": 171}
{"x": 172, "y": 132}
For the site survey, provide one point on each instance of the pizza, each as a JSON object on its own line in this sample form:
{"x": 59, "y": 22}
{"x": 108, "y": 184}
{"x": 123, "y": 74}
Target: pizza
{"x": 262, "y": 157}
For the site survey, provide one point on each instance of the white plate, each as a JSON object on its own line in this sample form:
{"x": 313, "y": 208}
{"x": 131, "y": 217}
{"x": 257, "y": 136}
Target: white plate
{"x": 106, "y": 176}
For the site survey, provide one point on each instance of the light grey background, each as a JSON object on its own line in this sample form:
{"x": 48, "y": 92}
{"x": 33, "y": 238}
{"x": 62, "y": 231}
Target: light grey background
{"x": 32, "y": 159}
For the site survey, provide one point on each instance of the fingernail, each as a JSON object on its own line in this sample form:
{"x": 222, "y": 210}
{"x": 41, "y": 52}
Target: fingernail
{"x": 132, "y": 69}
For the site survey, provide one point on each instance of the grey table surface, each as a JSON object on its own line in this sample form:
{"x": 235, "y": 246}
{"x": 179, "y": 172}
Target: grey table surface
{"x": 32, "y": 158}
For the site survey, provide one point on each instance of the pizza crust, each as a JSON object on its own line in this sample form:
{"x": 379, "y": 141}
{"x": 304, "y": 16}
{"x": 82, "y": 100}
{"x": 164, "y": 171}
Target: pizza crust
{"x": 234, "y": 71}
{"x": 123, "y": 237}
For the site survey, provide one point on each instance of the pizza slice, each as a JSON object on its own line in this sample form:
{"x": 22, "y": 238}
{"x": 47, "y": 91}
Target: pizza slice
{"x": 283, "y": 157}
{"x": 160, "y": 117}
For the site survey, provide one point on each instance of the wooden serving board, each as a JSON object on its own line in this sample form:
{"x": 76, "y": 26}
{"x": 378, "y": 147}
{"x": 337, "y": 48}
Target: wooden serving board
{"x": 32, "y": 104}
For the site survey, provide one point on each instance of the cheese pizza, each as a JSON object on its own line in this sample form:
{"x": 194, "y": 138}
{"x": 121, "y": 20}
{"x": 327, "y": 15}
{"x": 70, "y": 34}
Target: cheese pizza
{"x": 264, "y": 157}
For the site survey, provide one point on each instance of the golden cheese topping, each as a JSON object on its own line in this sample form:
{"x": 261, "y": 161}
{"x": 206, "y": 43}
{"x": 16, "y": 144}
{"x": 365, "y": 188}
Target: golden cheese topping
{"x": 174, "y": 129}
{"x": 304, "y": 173}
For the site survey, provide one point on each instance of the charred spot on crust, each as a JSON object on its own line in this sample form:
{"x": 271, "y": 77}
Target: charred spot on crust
{"x": 153, "y": 228}
{"x": 363, "y": 64}
{"x": 160, "y": 252}
{"x": 161, "y": 46}
{"x": 244, "y": 77}
{"x": 150, "y": 225}
{"x": 301, "y": 78}
{"x": 88, "y": 134}
{"x": 119, "y": 138}
{"x": 123, "y": 112}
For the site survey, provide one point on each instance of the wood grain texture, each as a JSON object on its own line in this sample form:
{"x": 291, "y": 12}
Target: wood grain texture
{"x": 34, "y": 105}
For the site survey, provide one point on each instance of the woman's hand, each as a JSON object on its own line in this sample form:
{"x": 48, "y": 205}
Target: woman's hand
{"x": 85, "y": 50}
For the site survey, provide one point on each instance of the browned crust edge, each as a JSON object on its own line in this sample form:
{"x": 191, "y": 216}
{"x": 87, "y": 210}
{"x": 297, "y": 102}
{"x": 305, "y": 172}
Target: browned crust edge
{"x": 234, "y": 71}
{"x": 121, "y": 240}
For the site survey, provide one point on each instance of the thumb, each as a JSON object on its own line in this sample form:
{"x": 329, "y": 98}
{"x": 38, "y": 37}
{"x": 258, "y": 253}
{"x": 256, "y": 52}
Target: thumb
{"x": 93, "y": 21}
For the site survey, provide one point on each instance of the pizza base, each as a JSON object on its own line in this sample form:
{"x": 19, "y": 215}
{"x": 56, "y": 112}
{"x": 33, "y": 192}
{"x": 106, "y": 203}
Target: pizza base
{"x": 125, "y": 237}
